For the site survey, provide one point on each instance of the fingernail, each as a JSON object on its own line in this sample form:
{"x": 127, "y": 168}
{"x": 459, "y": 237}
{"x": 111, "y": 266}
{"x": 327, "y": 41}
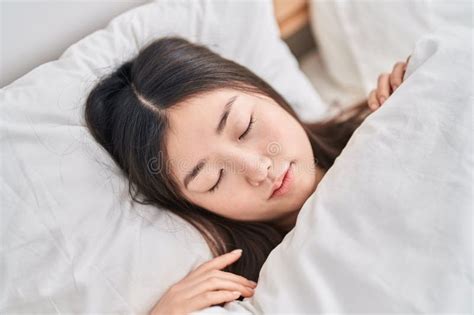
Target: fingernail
{"x": 395, "y": 86}
{"x": 373, "y": 106}
{"x": 382, "y": 99}
{"x": 253, "y": 282}
{"x": 236, "y": 293}
{"x": 236, "y": 251}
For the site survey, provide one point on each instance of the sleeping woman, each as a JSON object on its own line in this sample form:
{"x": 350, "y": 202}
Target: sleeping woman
{"x": 207, "y": 139}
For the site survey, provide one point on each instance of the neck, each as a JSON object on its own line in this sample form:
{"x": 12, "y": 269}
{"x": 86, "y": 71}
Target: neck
{"x": 285, "y": 224}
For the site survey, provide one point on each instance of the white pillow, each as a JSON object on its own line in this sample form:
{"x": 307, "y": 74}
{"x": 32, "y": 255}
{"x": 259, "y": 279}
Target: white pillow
{"x": 72, "y": 239}
{"x": 359, "y": 40}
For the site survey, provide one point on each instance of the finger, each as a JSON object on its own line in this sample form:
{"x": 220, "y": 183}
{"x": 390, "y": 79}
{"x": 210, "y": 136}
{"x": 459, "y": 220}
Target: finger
{"x": 383, "y": 88}
{"x": 219, "y": 262}
{"x": 221, "y": 274}
{"x": 207, "y": 299}
{"x": 396, "y": 77}
{"x": 372, "y": 100}
{"x": 236, "y": 278}
{"x": 214, "y": 284}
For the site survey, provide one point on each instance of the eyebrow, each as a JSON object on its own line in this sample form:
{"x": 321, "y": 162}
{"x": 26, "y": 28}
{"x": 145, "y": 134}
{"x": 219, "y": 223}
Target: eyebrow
{"x": 218, "y": 131}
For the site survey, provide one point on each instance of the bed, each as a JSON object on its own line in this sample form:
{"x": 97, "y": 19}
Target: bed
{"x": 74, "y": 242}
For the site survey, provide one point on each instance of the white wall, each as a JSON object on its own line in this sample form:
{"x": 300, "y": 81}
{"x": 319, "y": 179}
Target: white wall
{"x": 35, "y": 32}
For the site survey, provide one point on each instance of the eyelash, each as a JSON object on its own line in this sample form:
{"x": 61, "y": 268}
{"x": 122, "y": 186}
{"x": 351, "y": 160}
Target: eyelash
{"x": 218, "y": 182}
{"x": 248, "y": 128}
{"x": 221, "y": 174}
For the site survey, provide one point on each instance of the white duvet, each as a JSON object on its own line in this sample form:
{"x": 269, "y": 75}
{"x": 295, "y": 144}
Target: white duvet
{"x": 389, "y": 228}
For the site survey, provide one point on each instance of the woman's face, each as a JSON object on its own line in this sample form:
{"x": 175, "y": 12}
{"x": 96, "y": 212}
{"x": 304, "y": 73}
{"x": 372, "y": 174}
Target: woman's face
{"x": 245, "y": 163}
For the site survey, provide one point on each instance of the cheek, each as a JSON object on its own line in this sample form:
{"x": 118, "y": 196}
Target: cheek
{"x": 272, "y": 129}
{"x": 285, "y": 136}
{"x": 242, "y": 206}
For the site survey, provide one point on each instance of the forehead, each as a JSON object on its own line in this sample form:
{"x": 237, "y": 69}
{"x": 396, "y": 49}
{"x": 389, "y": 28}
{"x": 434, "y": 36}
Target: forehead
{"x": 198, "y": 108}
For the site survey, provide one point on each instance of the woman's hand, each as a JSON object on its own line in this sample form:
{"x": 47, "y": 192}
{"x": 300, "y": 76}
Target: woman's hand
{"x": 205, "y": 286}
{"x": 387, "y": 84}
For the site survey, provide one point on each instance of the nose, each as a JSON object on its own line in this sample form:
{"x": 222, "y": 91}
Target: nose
{"x": 255, "y": 167}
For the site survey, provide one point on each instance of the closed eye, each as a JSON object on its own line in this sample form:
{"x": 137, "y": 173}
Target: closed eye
{"x": 248, "y": 128}
{"x": 214, "y": 188}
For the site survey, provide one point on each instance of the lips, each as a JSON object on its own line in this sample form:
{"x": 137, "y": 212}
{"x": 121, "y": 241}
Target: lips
{"x": 283, "y": 183}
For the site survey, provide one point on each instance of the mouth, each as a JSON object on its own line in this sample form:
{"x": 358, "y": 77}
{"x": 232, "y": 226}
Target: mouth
{"x": 284, "y": 184}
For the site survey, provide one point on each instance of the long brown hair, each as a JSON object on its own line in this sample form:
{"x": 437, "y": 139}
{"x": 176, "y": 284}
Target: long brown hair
{"x": 126, "y": 114}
